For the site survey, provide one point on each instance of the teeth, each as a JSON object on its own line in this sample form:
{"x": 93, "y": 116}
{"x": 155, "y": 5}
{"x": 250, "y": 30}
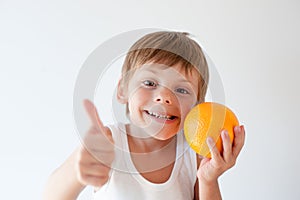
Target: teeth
{"x": 159, "y": 116}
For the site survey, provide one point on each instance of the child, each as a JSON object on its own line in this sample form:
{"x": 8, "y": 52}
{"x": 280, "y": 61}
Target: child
{"x": 164, "y": 75}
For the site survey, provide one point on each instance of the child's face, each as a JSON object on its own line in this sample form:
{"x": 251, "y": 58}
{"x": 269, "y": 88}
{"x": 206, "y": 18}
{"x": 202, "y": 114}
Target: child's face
{"x": 159, "y": 98}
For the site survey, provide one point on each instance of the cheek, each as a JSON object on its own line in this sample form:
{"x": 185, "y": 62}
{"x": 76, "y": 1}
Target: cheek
{"x": 138, "y": 98}
{"x": 186, "y": 106}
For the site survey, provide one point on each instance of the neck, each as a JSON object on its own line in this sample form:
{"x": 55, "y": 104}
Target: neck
{"x": 161, "y": 153}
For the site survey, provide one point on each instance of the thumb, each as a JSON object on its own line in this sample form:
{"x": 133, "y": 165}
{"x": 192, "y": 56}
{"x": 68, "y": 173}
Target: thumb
{"x": 203, "y": 161}
{"x": 95, "y": 119}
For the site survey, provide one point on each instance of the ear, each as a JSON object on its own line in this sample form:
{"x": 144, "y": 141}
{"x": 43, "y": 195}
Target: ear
{"x": 121, "y": 93}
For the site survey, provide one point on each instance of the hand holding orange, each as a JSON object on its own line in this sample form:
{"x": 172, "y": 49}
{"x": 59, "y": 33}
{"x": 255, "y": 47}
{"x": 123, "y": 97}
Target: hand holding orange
{"x": 207, "y": 120}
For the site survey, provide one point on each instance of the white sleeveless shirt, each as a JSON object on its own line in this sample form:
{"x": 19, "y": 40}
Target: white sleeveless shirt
{"x": 126, "y": 183}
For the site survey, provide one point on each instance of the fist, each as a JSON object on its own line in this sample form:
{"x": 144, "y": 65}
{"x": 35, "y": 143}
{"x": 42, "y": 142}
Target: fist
{"x": 96, "y": 154}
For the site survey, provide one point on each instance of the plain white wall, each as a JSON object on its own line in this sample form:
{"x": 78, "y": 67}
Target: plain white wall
{"x": 254, "y": 45}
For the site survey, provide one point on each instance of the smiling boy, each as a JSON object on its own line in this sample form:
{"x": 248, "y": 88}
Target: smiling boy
{"x": 164, "y": 75}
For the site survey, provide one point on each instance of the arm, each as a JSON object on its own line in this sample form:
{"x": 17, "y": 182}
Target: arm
{"x": 210, "y": 170}
{"x": 208, "y": 190}
{"x": 63, "y": 182}
{"x": 88, "y": 165}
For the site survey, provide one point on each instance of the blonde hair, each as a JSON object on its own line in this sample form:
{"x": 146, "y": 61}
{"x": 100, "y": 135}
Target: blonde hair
{"x": 168, "y": 48}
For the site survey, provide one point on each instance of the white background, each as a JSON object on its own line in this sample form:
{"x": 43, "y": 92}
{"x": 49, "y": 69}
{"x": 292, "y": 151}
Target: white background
{"x": 254, "y": 45}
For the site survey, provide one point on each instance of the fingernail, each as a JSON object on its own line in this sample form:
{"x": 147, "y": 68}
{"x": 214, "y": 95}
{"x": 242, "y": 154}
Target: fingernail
{"x": 210, "y": 142}
{"x": 242, "y": 127}
{"x": 238, "y": 129}
{"x": 225, "y": 133}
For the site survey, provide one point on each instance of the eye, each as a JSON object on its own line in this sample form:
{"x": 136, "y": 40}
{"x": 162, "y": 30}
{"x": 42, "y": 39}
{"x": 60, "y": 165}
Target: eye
{"x": 149, "y": 83}
{"x": 182, "y": 91}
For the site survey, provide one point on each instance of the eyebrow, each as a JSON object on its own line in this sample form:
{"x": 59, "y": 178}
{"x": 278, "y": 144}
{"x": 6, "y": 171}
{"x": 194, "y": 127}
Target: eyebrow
{"x": 180, "y": 80}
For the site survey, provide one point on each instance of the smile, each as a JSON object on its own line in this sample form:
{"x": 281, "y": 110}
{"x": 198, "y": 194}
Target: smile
{"x": 160, "y": 116}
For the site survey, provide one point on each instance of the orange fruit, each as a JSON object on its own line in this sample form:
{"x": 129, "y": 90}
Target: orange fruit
{"x": 208, "y": 119}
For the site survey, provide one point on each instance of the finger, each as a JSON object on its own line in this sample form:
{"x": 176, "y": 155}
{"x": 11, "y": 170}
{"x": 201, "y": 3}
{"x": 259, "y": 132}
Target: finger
{"x": 227, "y": 146}
{"x": 93, "y": 114}
{"x": 97, "y": 169}
{"x": 93, "y": 180}
{"x": 96, "y": 142}
{"x": 215, "y": 154}
{"x": 239, "y": 140}
{"x": 99, "y": 148}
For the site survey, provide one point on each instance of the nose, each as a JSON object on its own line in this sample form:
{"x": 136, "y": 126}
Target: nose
{"x": 163, "y": 96}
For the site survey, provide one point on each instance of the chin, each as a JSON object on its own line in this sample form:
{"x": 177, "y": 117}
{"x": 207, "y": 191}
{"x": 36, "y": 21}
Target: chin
{"x": 166, "y": 134}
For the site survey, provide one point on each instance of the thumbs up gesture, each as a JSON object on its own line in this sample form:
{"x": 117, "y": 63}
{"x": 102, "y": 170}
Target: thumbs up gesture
{"x": 95, "y": 156}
